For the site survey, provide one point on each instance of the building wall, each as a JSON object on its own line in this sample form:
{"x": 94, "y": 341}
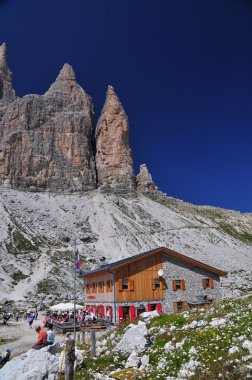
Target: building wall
{"x": 176, "y": 269}
{"x": 142, "y": 273}
{"x": 98, "y": 296}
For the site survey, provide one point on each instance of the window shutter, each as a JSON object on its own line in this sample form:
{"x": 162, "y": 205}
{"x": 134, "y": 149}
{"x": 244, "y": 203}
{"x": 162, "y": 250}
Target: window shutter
{"x": 159, "y": 308}
{"x": 184, "y": 306}
{"x": 175, "y": 307}
{"x": 153, "y": 284}
{"x": 204, "y": 283}
{"x": 211, "y": 282}
{"x": 148, "y": 307}
{"x": 174, "y": 285}
{"x": 120, "y": 285}
{"x": 131, "y": 284}
{"x": 102, "y": 311}
{"x": 183, "y": 284}
{"x": 120, "y": 313}
{"x": 162, "y": 284}
{"x": 132, "y": 313}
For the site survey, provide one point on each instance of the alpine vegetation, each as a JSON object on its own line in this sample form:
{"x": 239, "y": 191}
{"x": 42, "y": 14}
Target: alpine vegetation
{"x": 205, "y": 343}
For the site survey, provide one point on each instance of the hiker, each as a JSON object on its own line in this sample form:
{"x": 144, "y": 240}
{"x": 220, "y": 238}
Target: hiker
{"x": 5, "y": 319}
{"x": 30, "y": 320}
{"x": 5, "y": 357}
{"x": 42, "y": 338}
{"x": 50, "y": 335}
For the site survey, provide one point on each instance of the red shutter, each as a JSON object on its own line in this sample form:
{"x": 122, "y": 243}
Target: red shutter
{"x": 120, "y": 313}
{"x": 204, "y": 283}
{"x": 132, "y": 313}
{"x": 174, "y": 285}
{"x": 102, "y": 311}
{"x": 111, "y": 311}
{"x": 159, "y": 308}
{"x": 148, "y": 307}
{"x": 183, "y": 284}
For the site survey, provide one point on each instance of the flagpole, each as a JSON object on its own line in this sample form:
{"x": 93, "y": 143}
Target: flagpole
{"x": 75, "y": 260}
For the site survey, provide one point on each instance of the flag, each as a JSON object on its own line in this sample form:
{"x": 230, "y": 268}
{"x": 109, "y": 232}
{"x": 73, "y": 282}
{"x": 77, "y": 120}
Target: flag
{"x": 78, "y": 261}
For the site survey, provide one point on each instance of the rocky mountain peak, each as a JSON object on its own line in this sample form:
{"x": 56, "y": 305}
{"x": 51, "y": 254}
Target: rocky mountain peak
{"x": 66, "y": 84}
{"x": 3, "y": 55}
{"x": 114, "y": 162}
{"x": 66, "y": 73}
{"x": 7, "y": 94}
{"x": 144, "y": 181}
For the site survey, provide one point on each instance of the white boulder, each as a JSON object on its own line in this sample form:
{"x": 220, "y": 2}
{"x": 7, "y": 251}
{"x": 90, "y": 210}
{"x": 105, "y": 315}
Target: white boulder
{"x": 135, "y": 338}
{"x": 247, "y": 345}
{"x": 145, "y": 359}
{"x": 32, "y": 365}
{"x": 148, "y": 315}
{"x": 133, "y": 360}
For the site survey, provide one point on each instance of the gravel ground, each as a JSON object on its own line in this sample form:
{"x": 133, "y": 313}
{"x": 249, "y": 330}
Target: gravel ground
{"x": 22, "y": 336}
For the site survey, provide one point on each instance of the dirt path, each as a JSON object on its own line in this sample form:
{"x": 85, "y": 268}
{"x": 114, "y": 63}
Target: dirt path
{"x": 21, "y": 335}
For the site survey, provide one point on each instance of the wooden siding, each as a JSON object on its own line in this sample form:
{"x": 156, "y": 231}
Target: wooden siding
{"x": 141, "y": 275}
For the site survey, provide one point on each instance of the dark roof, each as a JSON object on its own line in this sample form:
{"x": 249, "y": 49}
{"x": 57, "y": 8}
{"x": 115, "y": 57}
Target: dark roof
{"x": 167, "y": 251}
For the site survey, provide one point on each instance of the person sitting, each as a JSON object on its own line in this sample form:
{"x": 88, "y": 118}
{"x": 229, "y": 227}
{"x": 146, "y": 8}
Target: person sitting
{"x": 5, "y": 357}
{"x": 42, "y": 338}
{"x": 50, "y": 335}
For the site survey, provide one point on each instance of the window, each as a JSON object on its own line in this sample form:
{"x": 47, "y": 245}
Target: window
{"x": 101, "y": 287}
{"x": 88, "y": 289}
{"x": 178, "y": 285}
{"x": 158, "y": 283}
{"x": 125, "y": 284}
{"x": 109, "y": 286}
{"x": 94, "y": 287}
{"x": 207, "y": 283}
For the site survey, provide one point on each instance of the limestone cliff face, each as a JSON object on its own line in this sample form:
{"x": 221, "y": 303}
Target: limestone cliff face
{"x": 45, "y": 141}
{"x": 7, "y": 94}
{"x": 144, "y": 181}
{"x": 114, "y": 162}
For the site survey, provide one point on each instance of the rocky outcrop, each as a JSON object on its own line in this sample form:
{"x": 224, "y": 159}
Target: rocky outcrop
{"x": 46, "y": 141}
{"x": 144, "y": 181}
{"x": 114, "y": 162}
{"x": 7, "y": 94}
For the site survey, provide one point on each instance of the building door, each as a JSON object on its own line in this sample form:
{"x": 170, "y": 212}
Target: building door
{"x": 179, "y": 306}
{"x": 126, "y": 313}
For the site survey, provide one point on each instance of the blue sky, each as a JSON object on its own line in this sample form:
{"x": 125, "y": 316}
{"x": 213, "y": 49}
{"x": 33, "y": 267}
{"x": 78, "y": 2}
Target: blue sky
{"x": 182, "y": 70}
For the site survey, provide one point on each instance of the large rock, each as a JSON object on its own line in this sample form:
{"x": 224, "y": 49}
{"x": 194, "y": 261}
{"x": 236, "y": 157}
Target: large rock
{"x": 114, "y": 162}
{"x": 7, "y": 94}
{"x": 134, "y": 339}
{"x": 33, "y": 365}
{"x": 46, "y": 141}
{"x": 144, "y": 181}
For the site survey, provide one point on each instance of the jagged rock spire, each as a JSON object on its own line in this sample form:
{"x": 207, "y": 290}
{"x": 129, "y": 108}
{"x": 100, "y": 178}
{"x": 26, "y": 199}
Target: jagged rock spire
{"x": 65, "y": 81}
{"x": 7, "y": 94}
{"x": 144, "y": 181}
{"x": 114, "y": 162}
